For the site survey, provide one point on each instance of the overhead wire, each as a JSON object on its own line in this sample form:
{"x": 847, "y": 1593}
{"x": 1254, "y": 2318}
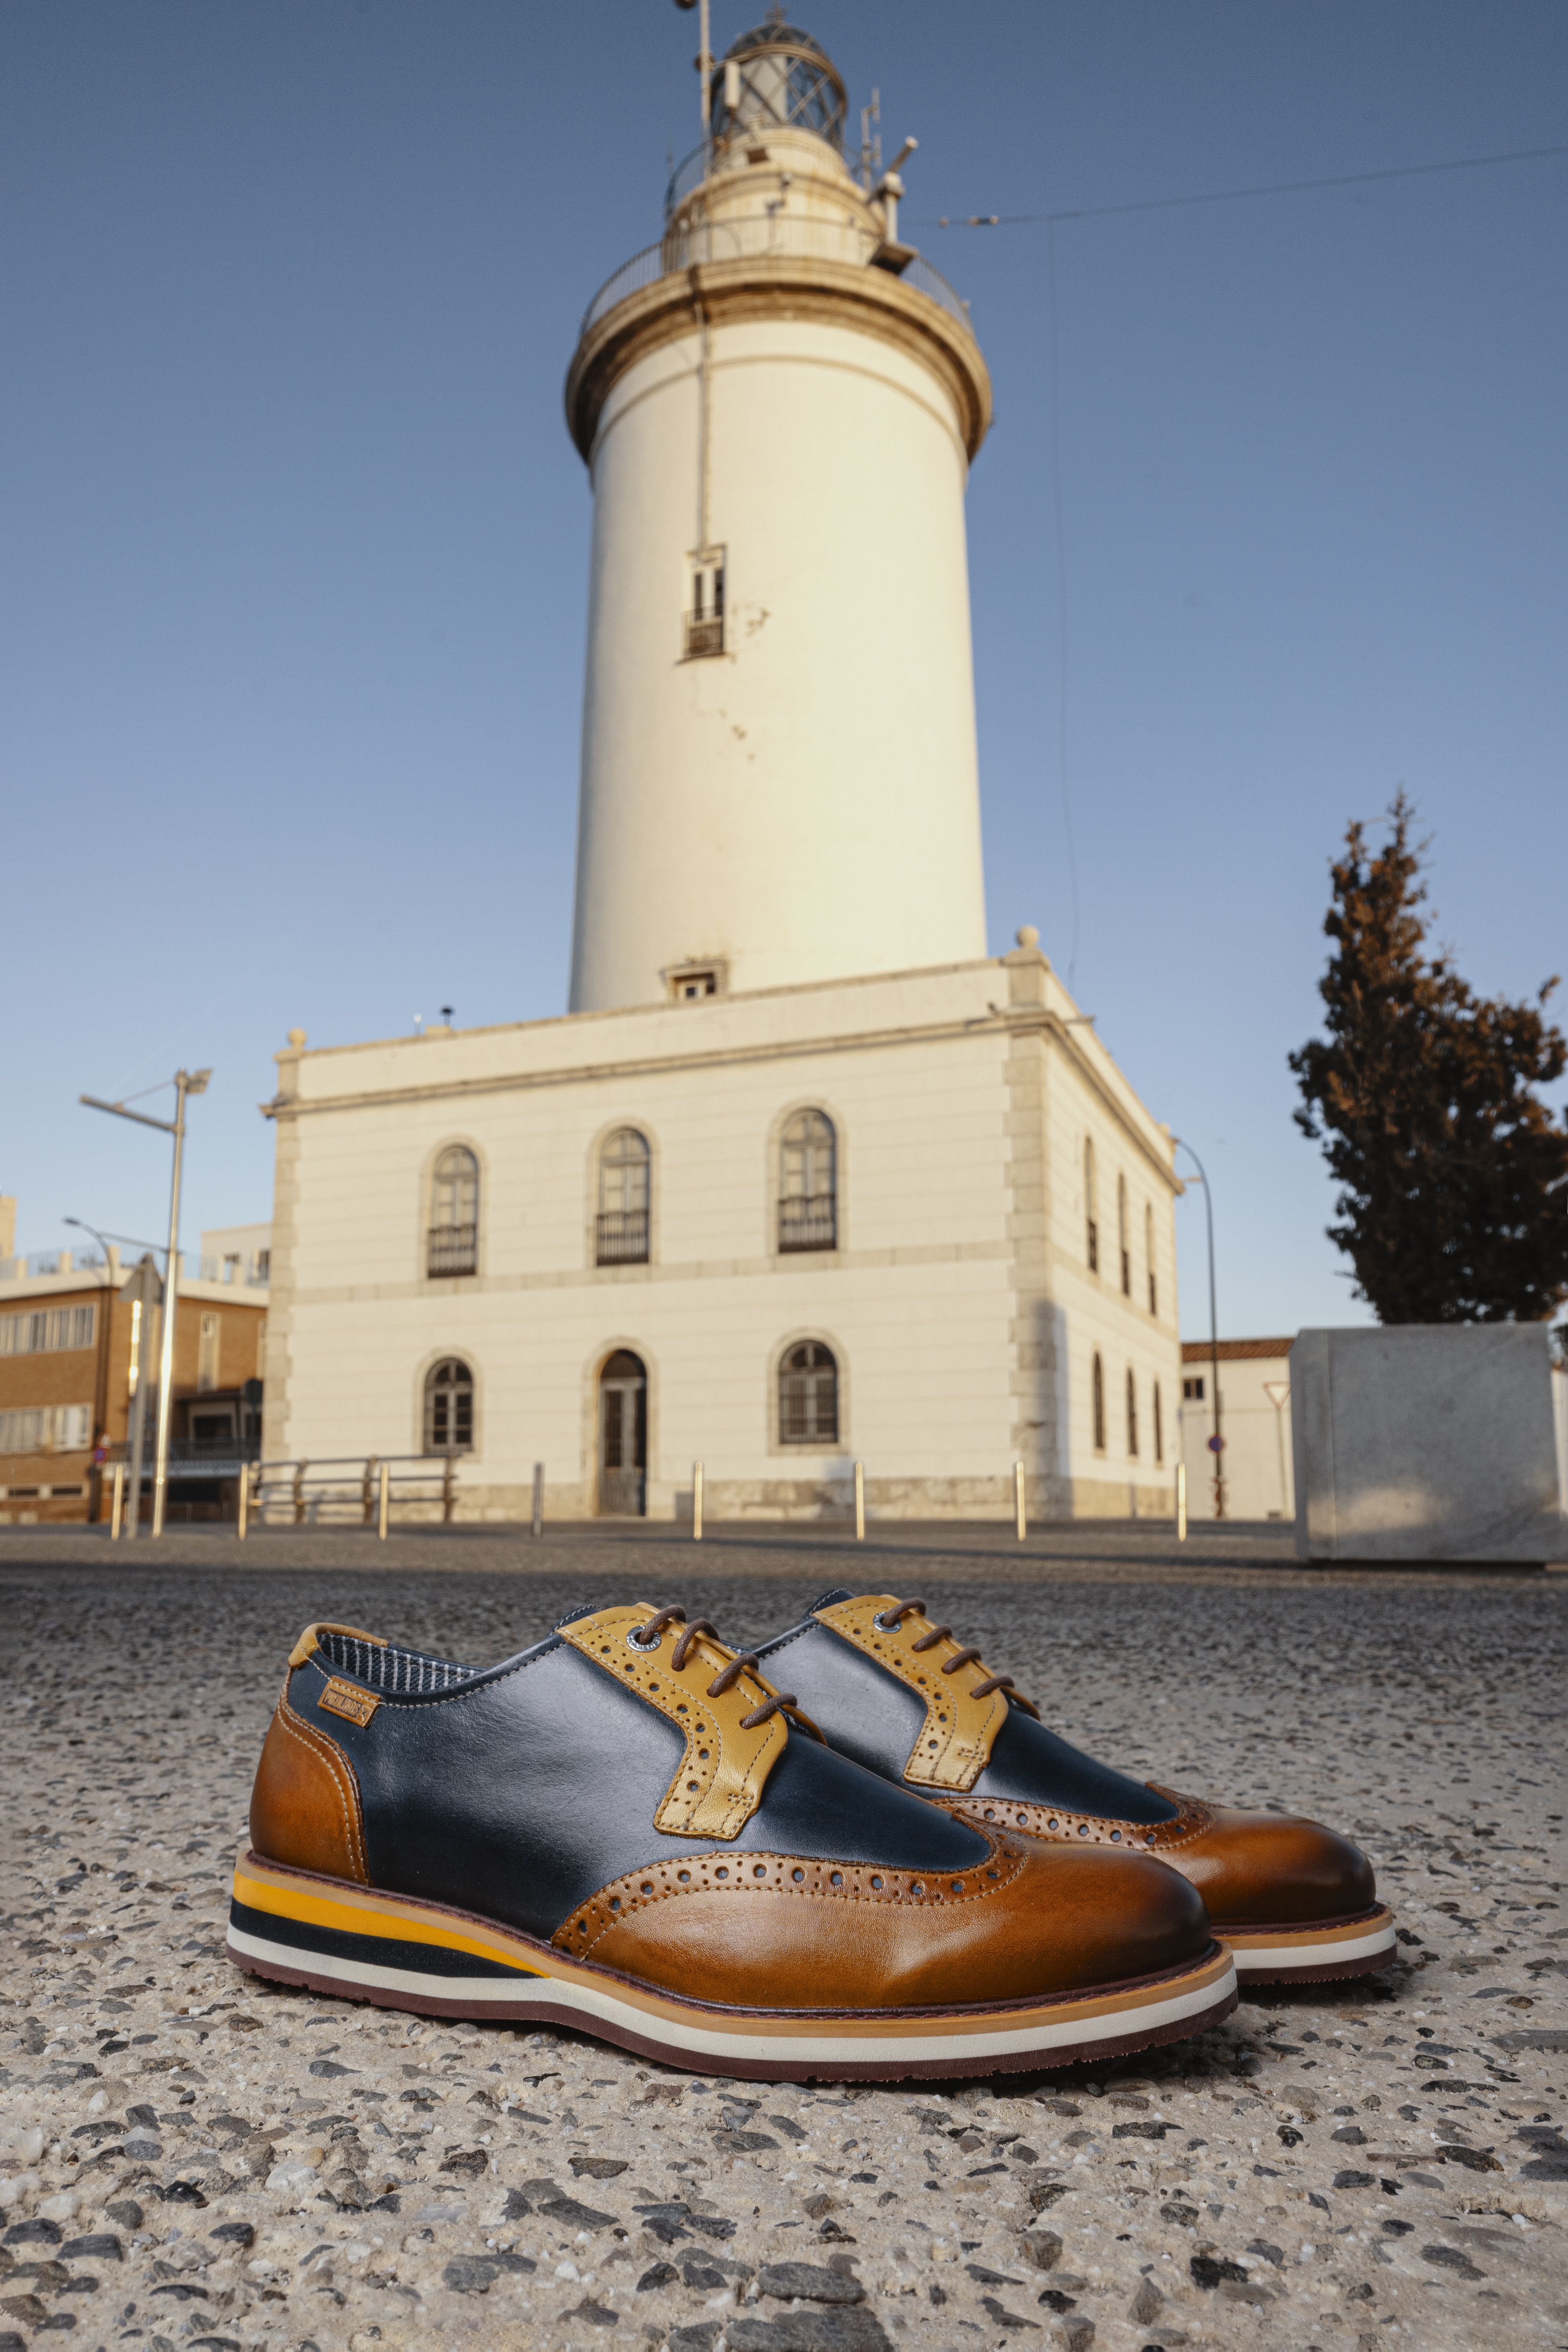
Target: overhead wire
{"x": 1050, "y": 222}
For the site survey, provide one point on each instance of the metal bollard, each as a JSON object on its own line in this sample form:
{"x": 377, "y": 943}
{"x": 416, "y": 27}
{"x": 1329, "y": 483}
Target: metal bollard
{"x": 1181, "y": 1502}
{"x": 859, "y": 1502}
{"x": 242, "y": 1514}
{"x": 539, "y": 1499}
{"x": 1019, "y": 1519}
{"x": 384, "y": 1501}
{"x": 117, "y": 1507}
{"x": 697, "y": 1502}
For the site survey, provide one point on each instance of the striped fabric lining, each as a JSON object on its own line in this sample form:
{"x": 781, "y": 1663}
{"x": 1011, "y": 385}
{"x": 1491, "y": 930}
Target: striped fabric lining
{"x": 392, "y": 1669}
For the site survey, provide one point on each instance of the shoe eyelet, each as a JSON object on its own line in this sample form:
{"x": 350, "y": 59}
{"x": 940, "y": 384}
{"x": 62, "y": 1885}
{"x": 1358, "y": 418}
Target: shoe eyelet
{"x": 684, "y": 1876}
{"x": 646, "y": 1887}
{"x": 643, "y": 1649}
{"x": 1116, "y": 1837}
{"x": 877, "y": 1885}
{"x": 880, "y": 1622}
{"x": 760, "y": 1870}
{"x": 721, "y": 1873}
{"x": 798, "y": 1876}
{"x": 835, "y": 1878}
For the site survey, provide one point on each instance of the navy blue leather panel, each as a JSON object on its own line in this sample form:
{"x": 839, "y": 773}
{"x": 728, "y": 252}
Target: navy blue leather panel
{"x": 858, "y": 1706}
{"x": 522, "y": 1794}
{"x": 1030, "y": 1763}
{"x": 867, "y": 1713}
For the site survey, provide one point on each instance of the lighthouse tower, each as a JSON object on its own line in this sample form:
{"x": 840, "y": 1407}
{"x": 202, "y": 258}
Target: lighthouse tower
{"x": 778, "y": 403}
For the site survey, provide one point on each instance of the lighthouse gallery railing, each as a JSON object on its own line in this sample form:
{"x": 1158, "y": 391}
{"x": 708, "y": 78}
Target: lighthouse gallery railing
{"x": 747, "y": 239}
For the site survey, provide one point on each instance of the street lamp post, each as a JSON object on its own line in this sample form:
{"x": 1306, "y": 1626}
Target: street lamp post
{"x": 186, "y": 1082}
{"x": 101, "y": 1381}
{"x": 1216, "y": 1440}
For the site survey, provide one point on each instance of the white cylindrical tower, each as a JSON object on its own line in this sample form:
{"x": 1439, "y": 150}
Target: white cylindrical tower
{"x": 778, "y": 405}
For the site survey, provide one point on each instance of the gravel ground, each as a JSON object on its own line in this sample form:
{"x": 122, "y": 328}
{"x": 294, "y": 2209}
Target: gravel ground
{"x": 195, "y": 2160}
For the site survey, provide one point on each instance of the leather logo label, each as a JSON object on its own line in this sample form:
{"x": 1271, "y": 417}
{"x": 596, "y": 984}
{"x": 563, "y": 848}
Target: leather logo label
{"x": 347, "y": 1699}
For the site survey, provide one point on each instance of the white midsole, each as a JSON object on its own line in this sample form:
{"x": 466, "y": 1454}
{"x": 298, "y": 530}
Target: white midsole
{"x": 1319, "y": 1953}
{"x": 593, "y": 2002}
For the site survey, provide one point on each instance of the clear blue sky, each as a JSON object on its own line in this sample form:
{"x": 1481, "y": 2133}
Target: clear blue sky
{"x": 295, "y": 543}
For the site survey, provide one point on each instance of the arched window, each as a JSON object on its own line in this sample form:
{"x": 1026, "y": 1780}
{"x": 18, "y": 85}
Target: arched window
{"x": 1099, "y": 1404}
{"x": 808, "y": 1396}
{"x": 449, "y": 1408}
{"x": 1132, "y": 1415}
{"x": 1091, "y": 1208}
{"x": 1153, "y": 1287}
{"x": 808, "y": 1184}
{"x": 1123, "y": 1240}
{"x": 1159, "y": 1427}
{"x": 453, "y": 1236}
{"x": 620, "y": 1229}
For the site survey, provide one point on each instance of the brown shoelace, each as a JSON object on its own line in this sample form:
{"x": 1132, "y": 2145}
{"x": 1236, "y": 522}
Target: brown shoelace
{"x": 891, "y": 1619}
{"x": 648, "y": 1636}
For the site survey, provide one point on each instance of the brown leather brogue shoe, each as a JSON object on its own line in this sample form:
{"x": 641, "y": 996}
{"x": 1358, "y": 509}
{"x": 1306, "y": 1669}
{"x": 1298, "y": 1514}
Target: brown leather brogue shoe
{"x": 626, "y": 1829}
{"x": 1293, "y": 1900}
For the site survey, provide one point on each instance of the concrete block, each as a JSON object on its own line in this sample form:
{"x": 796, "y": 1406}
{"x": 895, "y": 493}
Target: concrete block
{"x": 1425, "y": 1441}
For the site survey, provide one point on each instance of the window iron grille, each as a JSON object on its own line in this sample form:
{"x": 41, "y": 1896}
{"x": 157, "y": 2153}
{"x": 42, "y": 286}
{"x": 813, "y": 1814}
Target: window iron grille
{"x": 621, "y": 1237}
{"x": 809, "y": 1224}
{"x": 704, "y": 635}
{"x": 453, "y": 1249}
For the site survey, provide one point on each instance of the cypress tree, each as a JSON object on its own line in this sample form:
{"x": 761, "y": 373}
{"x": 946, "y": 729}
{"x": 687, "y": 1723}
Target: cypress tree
{"x": 1453, "y": 1175}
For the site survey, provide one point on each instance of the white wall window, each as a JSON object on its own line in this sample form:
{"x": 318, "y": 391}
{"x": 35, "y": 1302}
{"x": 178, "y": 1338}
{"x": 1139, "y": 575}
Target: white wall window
{"x": 1159, "y": 1426}
{"x": 1149, "y": 1260}
{"x": 620, "y": 1223}
{"x": 208, "y": 1353}
{"x": 808, "y": 1395}
{"x": 1124, "y": 1239}
{"x": 1098, "y": 1401}
{"x": 808, "y": 1183}
{"x": 705, "y": 600}
{"x": 1091, "y": 1207}
{"x": 1131, "y": 1414}
{"x": 52, "y": 1330}
{"x": 449, "y": 1408}
{"x": 454, "y": 1235}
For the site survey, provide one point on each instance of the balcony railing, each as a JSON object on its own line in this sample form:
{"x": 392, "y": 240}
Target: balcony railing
{"x": 453, "y": 1249}
{"x": 704, "y": 634}
{"x": 809, "y": 1224}
{"x": 621, "y": 1237}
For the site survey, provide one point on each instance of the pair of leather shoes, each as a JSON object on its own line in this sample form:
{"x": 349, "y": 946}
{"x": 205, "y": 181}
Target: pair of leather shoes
{"x": 627, "y": 1828}
{"x": 1294, "y": 1901}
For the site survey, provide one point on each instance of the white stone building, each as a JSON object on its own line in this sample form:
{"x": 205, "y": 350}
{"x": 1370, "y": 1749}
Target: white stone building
{"x": 804, "y": 1178}
{"x": 1255, "y": 1422}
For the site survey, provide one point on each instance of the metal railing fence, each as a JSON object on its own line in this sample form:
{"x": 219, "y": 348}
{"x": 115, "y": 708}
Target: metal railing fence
{"x": 760, "y": 235}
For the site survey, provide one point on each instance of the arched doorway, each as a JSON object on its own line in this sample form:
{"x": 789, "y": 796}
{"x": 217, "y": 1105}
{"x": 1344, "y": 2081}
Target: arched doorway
{"x": 622, "y": 1437}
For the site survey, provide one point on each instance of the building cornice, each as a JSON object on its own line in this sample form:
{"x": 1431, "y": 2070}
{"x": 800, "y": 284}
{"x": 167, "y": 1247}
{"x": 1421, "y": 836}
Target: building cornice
{"x": 1040, "y": 1022}
{"x": 777, "y": 285}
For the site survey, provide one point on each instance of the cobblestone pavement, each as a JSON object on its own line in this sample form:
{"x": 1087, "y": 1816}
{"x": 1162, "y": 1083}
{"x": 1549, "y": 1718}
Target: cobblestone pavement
{"x": 189, "y": 2159}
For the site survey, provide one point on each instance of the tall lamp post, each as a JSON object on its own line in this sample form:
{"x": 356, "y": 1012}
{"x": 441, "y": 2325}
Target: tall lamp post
{"x": 1216, "y": 1440}
{"x": 101, "y": 1381}
{"x": 134, "y": 1431}
{"x": 186, "y": 1082}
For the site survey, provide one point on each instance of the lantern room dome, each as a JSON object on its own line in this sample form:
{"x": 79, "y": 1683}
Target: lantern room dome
{"x": 777, "y": 78}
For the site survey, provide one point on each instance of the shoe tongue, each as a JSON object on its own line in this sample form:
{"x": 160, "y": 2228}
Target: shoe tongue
{"x": 831, "y": 1599}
